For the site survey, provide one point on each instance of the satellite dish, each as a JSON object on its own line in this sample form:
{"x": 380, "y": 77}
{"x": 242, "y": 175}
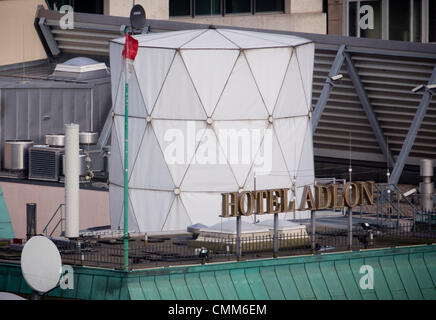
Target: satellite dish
{"x": 41, "y": 264}
{"x": 137, "y": 17}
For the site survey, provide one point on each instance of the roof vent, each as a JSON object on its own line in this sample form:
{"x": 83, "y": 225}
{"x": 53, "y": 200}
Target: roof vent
{"x": 80, "y": 68}
{"x": 80, "y": 64}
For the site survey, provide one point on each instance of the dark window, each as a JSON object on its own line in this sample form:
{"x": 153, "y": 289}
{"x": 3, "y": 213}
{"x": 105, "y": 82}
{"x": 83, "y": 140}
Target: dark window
{"x": 207, "y": 7}
{"x": 375, "y": 32}
{"x": 417, "y": 20}
{"x": 432, "y": 21}
{"x": 352, "y": 23}
{"x": 399, "y": 20}
{"x": 238, "y": 6}
{"x": 85, "y": 6}
{"x": 180, "y": 8}
{"x": 269, "y": 5}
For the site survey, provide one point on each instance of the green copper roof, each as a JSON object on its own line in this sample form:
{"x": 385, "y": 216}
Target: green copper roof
{"x": 6, "y": 230}
{"x": 399, "y": 273}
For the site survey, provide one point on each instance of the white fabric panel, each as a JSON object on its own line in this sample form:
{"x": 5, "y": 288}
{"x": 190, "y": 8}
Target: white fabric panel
{"x": 306, "y": 170}
{"x": 270, "y": 165}
{"x": 279, "y": 38}
{"x": 118, "y": 101}
{"x": 178, "y": 141}
{"x": 133, "y": 223}
{"x": 136, "y": 103}
{"x": 292, "y": 100}
{"x": 146, "y": 37}
{"x": 241, "y": 98}
{"x": 116, "y": 198}
{"x": 115, "y": 66}
{"x": 209, "y": 170}
{"x": 150, "y": 170}
{"x": 178, "y": 218}
{"x": 269, "y": 67}
{"x": 175, "y": 41}
{"x": 202, "y": 207}
{"x": 116, "y": 203}
{"x": 136, "y": 132}
{"x": 151, "y": 208}
{"x": 245, "y": 40}
{"x": 151, "y": 66}
{"x": 290, "y": 134}
{"x": 240, "y": 141}
{"x": 178, "y": 98}
{"x": 209, "y": 70}
{"x": 211, "y": 39}
{"x": 116, "y": 170}
{"x": 306, "y": 57}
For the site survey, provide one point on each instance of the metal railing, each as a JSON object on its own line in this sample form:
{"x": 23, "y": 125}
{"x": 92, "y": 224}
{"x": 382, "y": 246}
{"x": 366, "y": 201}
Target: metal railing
{"x": 160, "y": 252}
{"x": 60, "y": 210}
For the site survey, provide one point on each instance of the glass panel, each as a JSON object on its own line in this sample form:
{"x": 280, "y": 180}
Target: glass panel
{"x": 238, "y": 6}
{"x": 432, "y": 20}
{"x": 180, "y": 8}
{"x": 399, "y": 20}
{"x": 207, "y": 7}
{"x": 269, "y": 5}
{"x": 352, "y": 25}
{"x": 417, "y": 20}
{"x": 375, "y": 31}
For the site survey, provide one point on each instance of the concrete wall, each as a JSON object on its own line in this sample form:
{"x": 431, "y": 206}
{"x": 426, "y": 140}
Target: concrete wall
{"x": 300, "y": 15}
{"x": 335, "y": 17}
{"x": 154, "y": 9}
{"x": 94, "y": 205}
{"x": 20, "y": 42}
{"x": 299, "y": 22}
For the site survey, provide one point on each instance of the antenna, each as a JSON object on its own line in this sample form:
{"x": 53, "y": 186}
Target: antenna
{"x": 41, "y": 264}
{"x": 137, "y": 18}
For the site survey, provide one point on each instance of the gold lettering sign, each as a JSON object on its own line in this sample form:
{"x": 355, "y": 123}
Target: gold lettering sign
{"x": 332, "y": 196}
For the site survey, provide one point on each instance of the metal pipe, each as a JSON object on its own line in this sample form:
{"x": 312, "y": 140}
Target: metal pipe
{"x": 31, "y": 220}
{"x": 238, "y": 238}
{"x": 72, "y": 168}
{"x": 276, "y": 240}
{"x": 350, "y": 228}
{"x": 313, "y": 226}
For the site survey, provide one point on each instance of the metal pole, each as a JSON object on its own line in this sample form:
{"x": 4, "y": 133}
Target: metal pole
{"x": 312, "y": 222}
{"x": 350, "y": 228}
{"x": 126, "y": 172}
{"x": 276, "y": 240}
{"x": 31, "y": 220}
{"x": 238, "y": 238}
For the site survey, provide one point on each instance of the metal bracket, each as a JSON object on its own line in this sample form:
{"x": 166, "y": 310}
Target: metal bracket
{"x": 327, "y": 88}
{"x": 370, "y": 114}
{"x": 413, "y": 131}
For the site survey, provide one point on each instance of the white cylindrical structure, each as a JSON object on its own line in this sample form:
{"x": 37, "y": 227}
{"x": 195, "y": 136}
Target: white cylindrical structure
{"x": 208, "y": 110}
{"x": 72, "y": 171}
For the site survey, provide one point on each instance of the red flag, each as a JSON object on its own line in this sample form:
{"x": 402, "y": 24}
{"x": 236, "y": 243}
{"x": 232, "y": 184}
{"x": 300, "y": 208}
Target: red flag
{"x": 130, "y": 48}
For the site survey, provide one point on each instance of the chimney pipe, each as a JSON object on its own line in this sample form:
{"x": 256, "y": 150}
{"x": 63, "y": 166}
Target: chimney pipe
{"x": 426, "y": 187}
{"x": 72, "y": 171}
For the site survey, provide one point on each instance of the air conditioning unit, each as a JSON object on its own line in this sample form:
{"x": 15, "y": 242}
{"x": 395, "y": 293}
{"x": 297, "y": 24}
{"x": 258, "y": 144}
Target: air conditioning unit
{"x": 45, "y": 163}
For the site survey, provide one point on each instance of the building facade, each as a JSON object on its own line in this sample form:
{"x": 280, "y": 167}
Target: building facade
{"x": 403, "y": 20}
{"x": 295, "y": 15}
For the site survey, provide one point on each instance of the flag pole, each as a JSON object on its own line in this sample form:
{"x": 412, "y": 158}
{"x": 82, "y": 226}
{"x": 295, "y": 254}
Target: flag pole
{"x": 129, "y": 54}
{"x": 126, "y": 168}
